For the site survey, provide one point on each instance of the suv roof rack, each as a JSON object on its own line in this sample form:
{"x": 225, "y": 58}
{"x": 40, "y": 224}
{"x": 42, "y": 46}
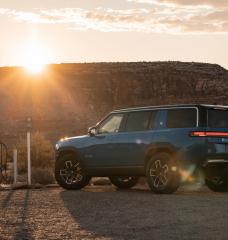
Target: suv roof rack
{"x": 169, "y": 106}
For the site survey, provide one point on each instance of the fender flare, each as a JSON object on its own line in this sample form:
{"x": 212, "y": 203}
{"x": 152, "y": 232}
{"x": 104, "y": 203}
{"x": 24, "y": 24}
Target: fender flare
{"x": 66, "y": 150}
{"x": 157, "y": 148}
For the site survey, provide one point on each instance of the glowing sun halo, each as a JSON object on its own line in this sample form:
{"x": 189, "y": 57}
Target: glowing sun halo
{"x": 34, "y": 67}
{"x": 34, "y": 58}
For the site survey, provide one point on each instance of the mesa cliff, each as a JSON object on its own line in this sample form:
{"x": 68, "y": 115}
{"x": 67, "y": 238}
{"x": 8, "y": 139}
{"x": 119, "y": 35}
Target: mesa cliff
{"x": 67, "y": 98}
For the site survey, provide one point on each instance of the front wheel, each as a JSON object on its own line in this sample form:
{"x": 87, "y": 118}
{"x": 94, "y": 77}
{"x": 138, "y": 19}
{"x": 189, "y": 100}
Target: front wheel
{"x": 123, "y": 182}
{"x": 69, "y": 173}
{"x": 217, "y": 184}
{"x": 162, "y": 173}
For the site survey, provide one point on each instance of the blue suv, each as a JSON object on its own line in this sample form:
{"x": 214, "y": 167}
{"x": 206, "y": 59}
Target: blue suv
{"x": 167, "y": 144}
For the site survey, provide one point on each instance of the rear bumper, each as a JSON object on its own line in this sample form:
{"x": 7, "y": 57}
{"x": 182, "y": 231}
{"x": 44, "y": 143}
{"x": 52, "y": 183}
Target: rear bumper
{"x": 214, "y": 161}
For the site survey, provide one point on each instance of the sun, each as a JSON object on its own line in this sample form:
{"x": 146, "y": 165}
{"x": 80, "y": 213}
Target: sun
{"x": 34, "y": 67}
{"x": 35, "y": 57}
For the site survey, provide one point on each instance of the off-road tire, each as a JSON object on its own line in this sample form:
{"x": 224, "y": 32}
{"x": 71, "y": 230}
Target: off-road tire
{"x": 162, "y": 173}
{"x": 69, "y": 172}
{"x": 217, "y": 186}
{"x": 123, "y": 182}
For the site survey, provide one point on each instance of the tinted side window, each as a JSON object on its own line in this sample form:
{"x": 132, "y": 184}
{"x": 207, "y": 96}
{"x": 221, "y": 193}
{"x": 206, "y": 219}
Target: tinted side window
{"x": 217, "y": 118}
{"x": 181, "y": 118}
{"x": 111, "y": 124}
{"x": 137, "y": 121}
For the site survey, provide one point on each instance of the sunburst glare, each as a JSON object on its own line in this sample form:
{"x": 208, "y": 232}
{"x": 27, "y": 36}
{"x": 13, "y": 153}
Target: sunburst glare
{"x": 35, "y": 56}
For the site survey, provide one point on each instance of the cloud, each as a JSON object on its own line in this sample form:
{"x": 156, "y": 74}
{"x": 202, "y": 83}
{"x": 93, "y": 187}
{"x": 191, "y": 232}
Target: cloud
{"x": 97, "y": 19}
{"x": 214, "y": 3}
{"x": 212, "y": 22}
{"x": 174, "y": 19}
{"x": 3, "y": 10}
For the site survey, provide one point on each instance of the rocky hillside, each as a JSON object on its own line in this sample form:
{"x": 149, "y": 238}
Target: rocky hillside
{"x": 67, "y": 98}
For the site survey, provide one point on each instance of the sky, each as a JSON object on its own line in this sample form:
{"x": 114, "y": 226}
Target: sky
{"x": 57, "y": 31}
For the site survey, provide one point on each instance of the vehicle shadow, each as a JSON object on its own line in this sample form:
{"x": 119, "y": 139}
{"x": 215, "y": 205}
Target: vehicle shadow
{"x": 105, "y": 212}
{"x": 140, "y": 214}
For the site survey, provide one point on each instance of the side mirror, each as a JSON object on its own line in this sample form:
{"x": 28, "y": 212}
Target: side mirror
{"x": 92, "y": 131}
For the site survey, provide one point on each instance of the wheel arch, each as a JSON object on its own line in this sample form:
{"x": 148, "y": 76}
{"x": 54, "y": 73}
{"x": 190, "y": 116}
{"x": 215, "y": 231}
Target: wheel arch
{"x": 71, "y": 150}
{"x": 158, "y": 148}
{"x": 68, "y": 150}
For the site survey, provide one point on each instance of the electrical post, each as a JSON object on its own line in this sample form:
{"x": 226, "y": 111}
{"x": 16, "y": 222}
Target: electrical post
{"x": 29, "y": 127}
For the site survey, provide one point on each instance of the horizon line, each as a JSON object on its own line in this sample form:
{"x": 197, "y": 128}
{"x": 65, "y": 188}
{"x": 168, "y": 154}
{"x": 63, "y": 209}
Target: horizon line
{"x": 101, "y": 62}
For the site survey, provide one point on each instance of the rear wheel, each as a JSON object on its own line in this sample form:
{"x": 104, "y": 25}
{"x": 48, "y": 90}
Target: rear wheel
{"x": 217, "y": 184}
{"x": 162, "y": 173}
{"x": 69, "y": 173}
{"x": 123, "y": 182}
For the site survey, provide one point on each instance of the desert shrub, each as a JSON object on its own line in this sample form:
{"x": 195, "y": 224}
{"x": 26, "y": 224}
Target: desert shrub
{"x": 42, "y": 153}
{"x": 42, "y": 176}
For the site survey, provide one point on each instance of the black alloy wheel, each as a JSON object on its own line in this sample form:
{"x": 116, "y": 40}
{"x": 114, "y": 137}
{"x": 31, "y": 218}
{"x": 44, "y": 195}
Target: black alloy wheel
{"x": 69, "y": 172}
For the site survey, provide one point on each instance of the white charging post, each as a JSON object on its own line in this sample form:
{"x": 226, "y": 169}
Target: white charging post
{"x": 29, "y": 127}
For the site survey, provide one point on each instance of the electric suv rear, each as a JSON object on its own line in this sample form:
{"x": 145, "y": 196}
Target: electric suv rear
{"x": 167, "y": 144}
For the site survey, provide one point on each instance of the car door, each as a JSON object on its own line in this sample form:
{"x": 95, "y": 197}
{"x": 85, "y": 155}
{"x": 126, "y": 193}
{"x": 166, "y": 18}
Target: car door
{"x": 129, "y": 146}
{"x": 100, "y": 148}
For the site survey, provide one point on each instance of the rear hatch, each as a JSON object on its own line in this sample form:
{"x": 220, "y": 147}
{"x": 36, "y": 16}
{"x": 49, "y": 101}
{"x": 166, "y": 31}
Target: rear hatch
{"x": 217, "y": 133}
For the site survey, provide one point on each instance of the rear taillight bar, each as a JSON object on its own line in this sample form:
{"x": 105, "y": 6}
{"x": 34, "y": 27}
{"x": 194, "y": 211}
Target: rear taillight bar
{"x": 208, "y": 134}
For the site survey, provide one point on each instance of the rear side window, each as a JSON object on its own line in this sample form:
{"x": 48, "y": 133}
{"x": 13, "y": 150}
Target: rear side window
{"x": 138, "y": 121}
{"x": 181, "y": 118}
{"x": 217, "y": 118}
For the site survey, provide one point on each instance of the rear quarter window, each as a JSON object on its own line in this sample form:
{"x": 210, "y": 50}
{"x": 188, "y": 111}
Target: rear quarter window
{"x": 181, "y": 118}
{"x": 217, "y": 118}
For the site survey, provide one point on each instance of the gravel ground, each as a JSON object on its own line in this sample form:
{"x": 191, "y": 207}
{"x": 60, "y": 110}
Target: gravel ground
{"x": 102, "y": 212}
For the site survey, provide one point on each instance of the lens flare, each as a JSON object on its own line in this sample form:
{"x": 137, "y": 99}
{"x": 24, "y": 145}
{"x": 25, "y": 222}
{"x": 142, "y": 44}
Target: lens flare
{"x": 34, "y": 56}
{"x": 34, "y": 67}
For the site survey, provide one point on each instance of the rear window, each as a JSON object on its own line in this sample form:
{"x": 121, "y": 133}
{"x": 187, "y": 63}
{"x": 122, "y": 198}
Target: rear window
{"x": 217, "y": 118}
{"x": 137, "y": 121}
{"x": 181, "y": 118}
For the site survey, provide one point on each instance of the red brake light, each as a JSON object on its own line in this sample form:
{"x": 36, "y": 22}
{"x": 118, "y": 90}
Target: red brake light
{"x": 198, "y": 134}
{"x": 209, "y": 134}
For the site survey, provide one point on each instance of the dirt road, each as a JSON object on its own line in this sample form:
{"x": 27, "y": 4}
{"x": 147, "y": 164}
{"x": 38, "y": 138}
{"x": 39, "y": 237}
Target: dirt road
{"x": 104, "y": 213}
